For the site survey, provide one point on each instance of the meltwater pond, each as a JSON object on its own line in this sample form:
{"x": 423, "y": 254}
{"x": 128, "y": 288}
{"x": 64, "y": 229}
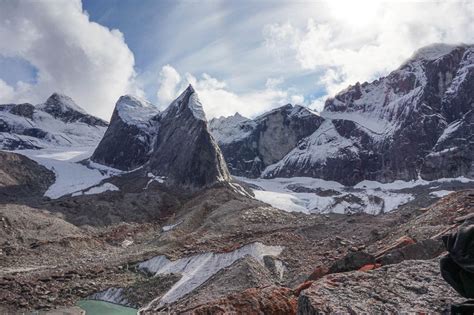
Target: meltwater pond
{"x": 94, "y": 307}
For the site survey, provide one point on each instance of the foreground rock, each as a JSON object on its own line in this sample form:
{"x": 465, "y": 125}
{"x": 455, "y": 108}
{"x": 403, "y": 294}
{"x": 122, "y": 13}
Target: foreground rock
{"x": 411, "y": 286}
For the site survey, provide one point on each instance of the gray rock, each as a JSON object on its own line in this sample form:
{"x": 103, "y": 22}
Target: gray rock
{"x": 184, "y": 151}
{"x": 126, "y": 144}
{"x": 175, "y": 144}
{"x": 412, "y": 286}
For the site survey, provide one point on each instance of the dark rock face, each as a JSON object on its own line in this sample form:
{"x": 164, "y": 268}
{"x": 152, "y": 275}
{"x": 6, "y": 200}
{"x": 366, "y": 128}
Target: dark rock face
{"x": 352, "y": 261}
{"x": 453, "y": 153}
{"x": 397, "y": 127}
{"x": 423, "y": 250}
{"x": 251, "y": 145}
{"x": 184, "y": 150}
{"x": 175, "y": 144}
{"x": 22, "y": 177}
{"x": 127, "y": 142}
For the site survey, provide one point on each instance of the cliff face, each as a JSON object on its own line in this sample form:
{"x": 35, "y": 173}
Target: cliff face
{"x": 127, "y": 142}
{"x": 184, "y": 151}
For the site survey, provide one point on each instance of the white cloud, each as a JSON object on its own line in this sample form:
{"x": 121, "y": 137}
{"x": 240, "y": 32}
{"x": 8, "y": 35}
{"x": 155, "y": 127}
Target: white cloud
{"x": 218, "y": 100}
{"x": 169, "y": 79}
{"x": 72, "y": 55}
{"x": 362, "y": 40}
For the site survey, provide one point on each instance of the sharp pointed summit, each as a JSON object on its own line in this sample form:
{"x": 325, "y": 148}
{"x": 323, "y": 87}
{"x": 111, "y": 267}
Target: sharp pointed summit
{"x": 175, "y": 144}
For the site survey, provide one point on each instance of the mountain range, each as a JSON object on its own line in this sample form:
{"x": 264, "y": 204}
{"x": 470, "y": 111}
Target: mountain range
{"x": 290, "y": 212}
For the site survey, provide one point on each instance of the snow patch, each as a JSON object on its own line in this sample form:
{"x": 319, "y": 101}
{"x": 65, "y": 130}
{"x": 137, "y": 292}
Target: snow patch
{"x": 440, "y": 193}
{"x": 112, "y": 295}
{"x": 196, "y": 107}
{"x": 71, "y": 177}
{"x": 134, "y": 111}
{"x": 196, "y": 269}
{"x": 167, "y": 228}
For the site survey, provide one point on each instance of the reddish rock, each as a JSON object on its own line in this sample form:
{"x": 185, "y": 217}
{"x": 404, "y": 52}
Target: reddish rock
{"x": 318, "y": 273}
{"x": 302, "y": 287}
{"x": 369, "y": 267}
{"x": 268, "y": 300}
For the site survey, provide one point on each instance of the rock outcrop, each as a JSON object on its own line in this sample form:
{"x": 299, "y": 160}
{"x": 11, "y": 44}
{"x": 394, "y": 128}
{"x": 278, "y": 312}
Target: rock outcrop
{"x": 251, "y": 145}
{"x": 57, "y": 122}
{"x": 20, "y": 177}
{"x": 414, "y": 122}
{"x": 411, "y": 286}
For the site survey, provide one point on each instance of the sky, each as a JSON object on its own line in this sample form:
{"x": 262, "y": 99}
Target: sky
{"x": 241, "y": 56}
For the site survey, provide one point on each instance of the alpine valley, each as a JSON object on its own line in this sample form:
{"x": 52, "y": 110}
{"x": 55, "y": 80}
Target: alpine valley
{"x": 290, "y": 212}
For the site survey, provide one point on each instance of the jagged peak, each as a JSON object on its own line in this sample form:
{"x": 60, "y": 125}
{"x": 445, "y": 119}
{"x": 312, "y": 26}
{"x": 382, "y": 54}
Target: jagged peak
{"x": 62, "y": 103}
{"x": 188, "y": 99}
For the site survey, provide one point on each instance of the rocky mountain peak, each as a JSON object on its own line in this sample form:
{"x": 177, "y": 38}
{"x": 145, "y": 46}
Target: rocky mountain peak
{"x": 434, "y": 51}
{"x": 185, "y": 151}
{"x": 64, "y": 108}
{"x": 408, "y": 111}
{"x": 187, "y": 101}
{"x": 58, "y": 104}
{"x": 175, "y": 144}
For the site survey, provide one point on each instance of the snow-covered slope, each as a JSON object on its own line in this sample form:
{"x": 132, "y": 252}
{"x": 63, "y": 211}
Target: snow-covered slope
{"x": 386, "y": 130}
{"x": 57, "y": 122}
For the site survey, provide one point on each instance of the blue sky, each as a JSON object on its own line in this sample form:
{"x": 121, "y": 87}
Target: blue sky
{"x": 245, "y": 56}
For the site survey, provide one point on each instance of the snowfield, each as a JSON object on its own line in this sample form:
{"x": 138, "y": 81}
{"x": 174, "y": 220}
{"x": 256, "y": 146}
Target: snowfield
{"x": 312, "y": 195}
{"x": 72, "y": 177}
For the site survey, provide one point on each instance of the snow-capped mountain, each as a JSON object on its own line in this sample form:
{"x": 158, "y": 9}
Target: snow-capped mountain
{"x": 57, "y": 122}
{"x": 415, "y": 122}
{"x": 251, "y": 145}
{"x": 174, "y": 144}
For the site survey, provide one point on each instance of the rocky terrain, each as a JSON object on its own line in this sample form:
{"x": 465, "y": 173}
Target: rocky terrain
{"x": 149, "y": 216}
